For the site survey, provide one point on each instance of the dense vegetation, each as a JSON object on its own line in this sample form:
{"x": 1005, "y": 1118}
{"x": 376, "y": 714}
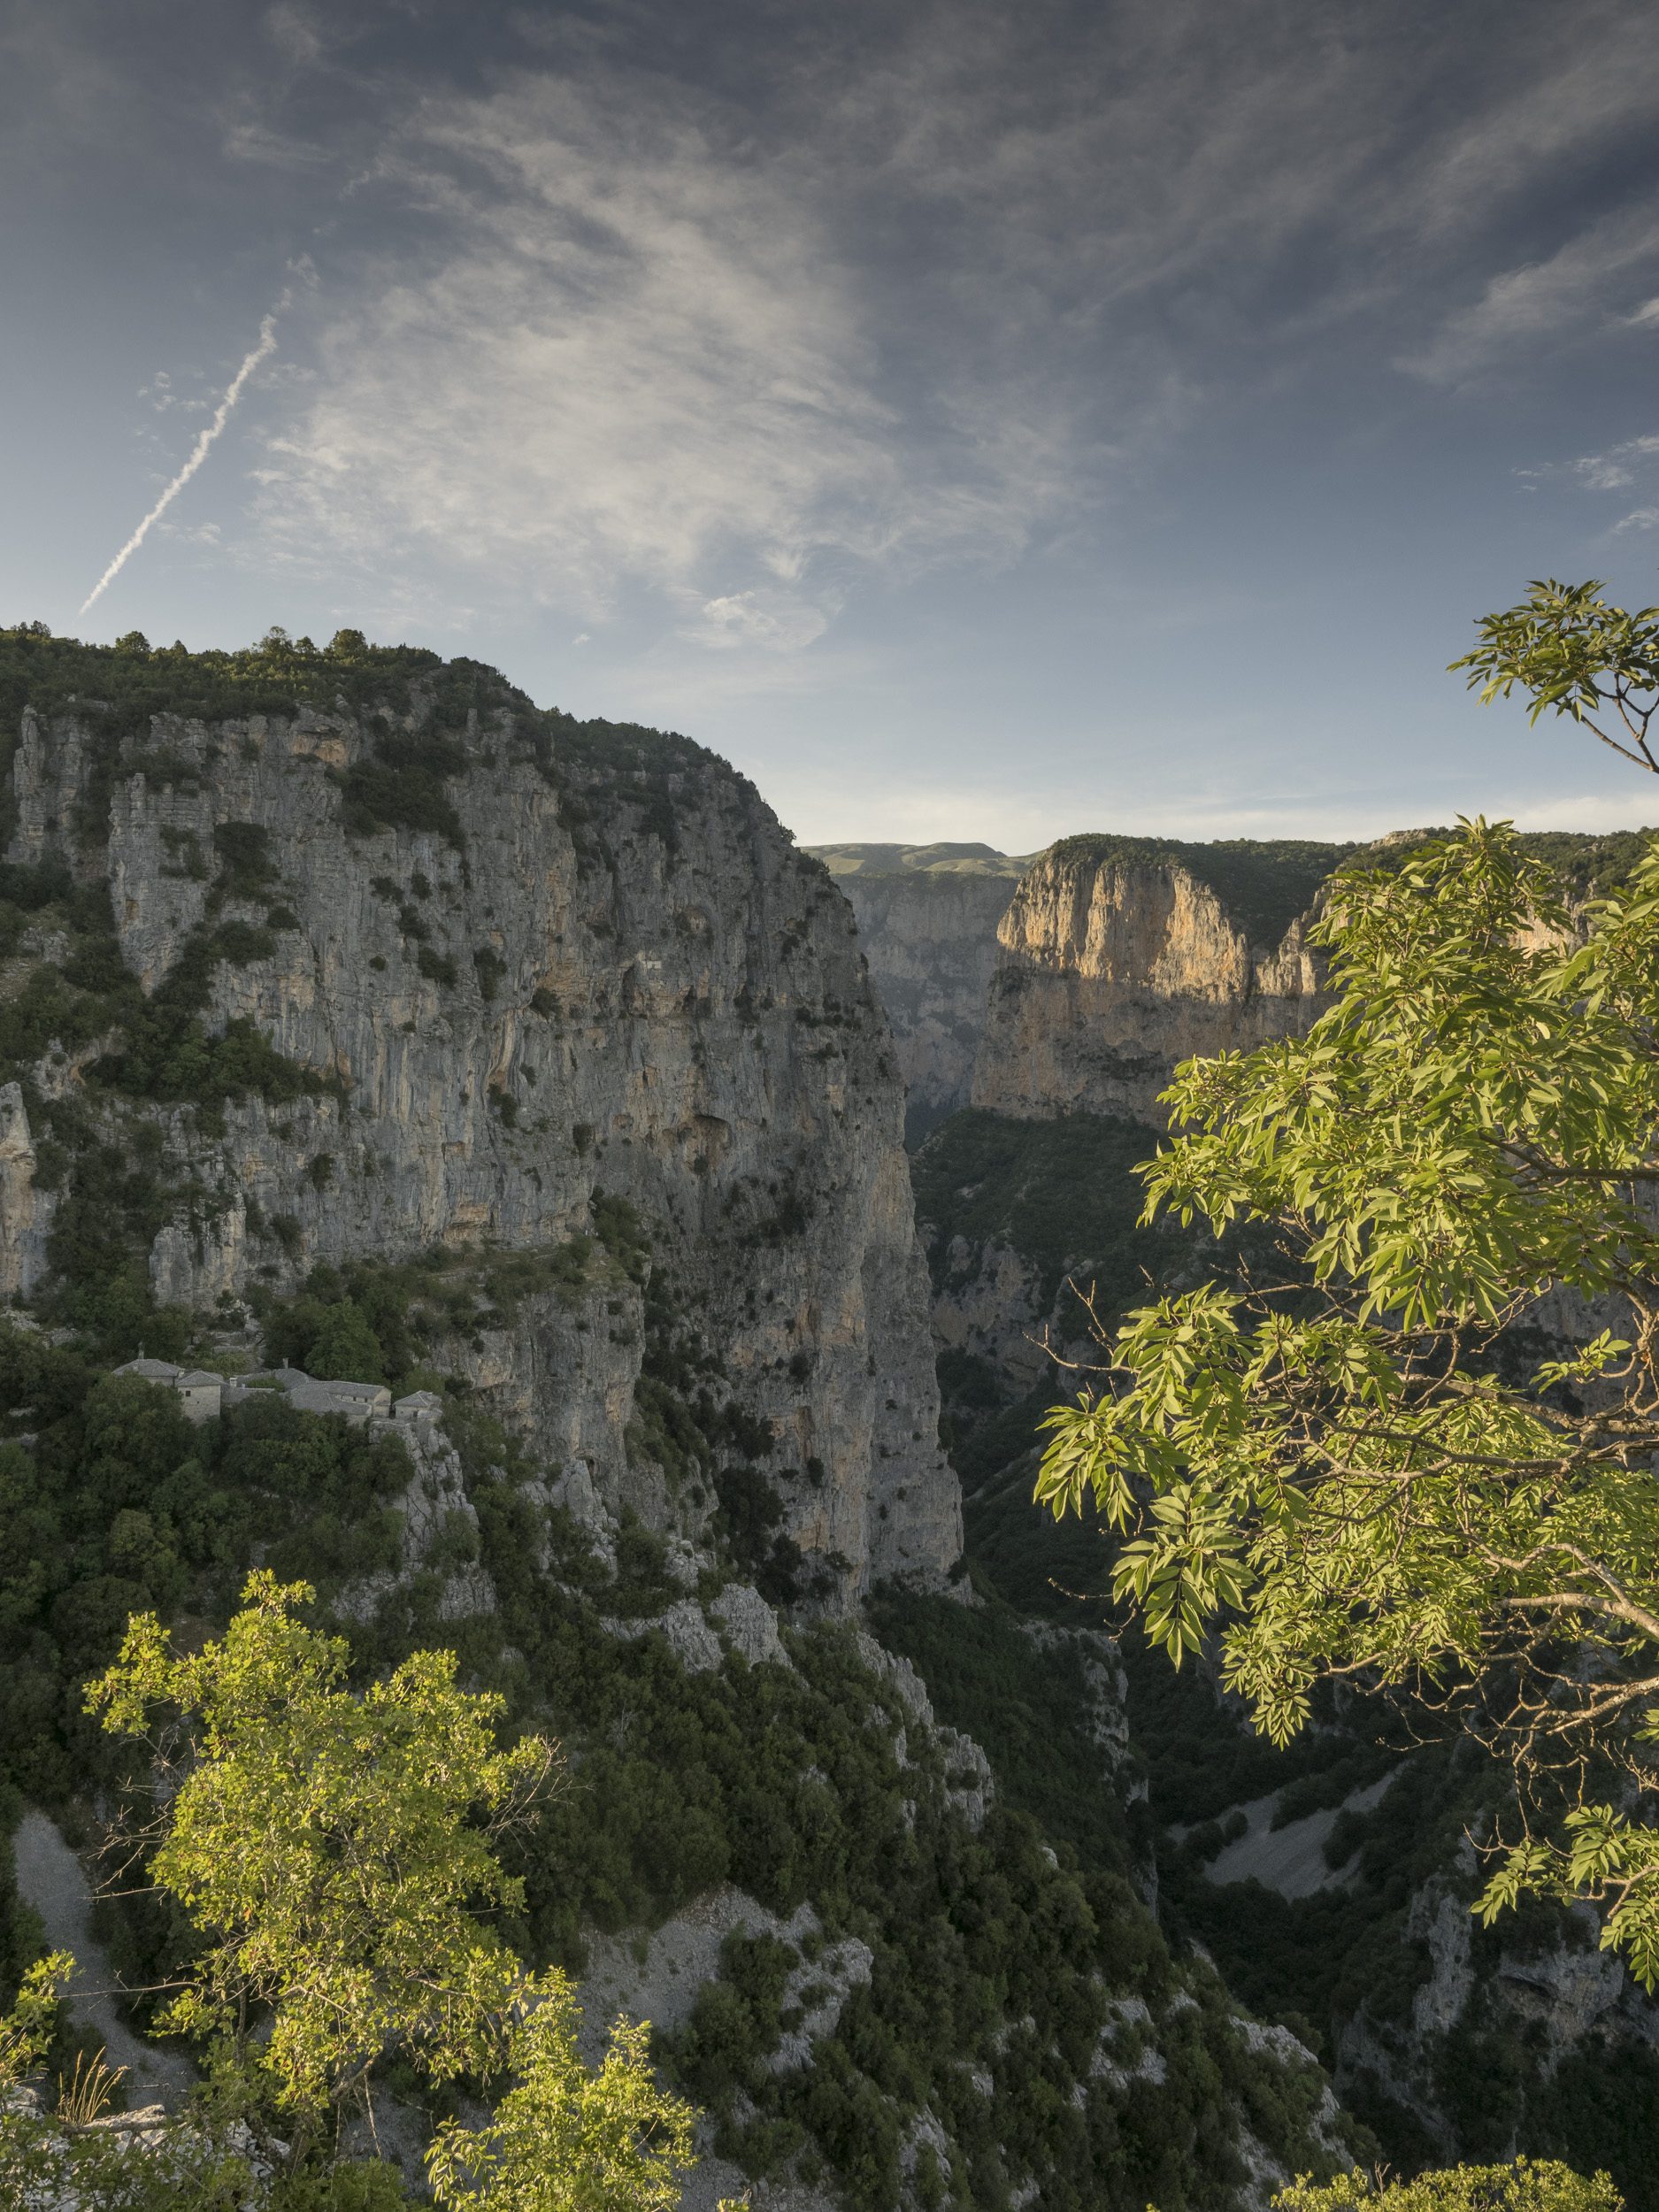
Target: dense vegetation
{"x": 1061, "y": 1194}
{"x": 1063, "y": 1197}
{"x": 789, "y": 1781}
{"x": 1316, "y": 1964}
{"x": 1058, "y": 1195}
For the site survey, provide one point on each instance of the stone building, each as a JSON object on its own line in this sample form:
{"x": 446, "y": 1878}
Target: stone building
{"x": 203, "y": 1396}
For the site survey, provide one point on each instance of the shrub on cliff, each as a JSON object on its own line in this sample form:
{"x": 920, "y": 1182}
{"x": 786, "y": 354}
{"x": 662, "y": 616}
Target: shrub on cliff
{"x": 1522, "y": 2186}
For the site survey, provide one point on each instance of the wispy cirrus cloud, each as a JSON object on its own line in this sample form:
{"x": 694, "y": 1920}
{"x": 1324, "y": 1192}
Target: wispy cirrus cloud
{"x": 634, "y": 355}
{"x": 924, "y": 303}
{"x": 1619, "y": 465}
{"x": 1567, "y": 295}
{"x": 747, "y": 328}
{"x": 1622, "y": 467}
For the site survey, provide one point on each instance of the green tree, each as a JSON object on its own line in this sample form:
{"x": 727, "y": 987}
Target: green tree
{"x": 1368, "y": 1469}
{"x": 334, "y": 1848}
{"x": 26, "y": 2030}
{"x": 345, "y": 1349}
{"x": 1576, "y": 655}
{"x": 53, "y": 2160}
{"x": 564, "y": 2139}
{"x": 1524, "y": 2185}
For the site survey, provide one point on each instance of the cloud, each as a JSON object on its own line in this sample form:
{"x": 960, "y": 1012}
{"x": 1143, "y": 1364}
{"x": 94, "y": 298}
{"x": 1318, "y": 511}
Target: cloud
{"x": 1629, "y": 804}
{"x": 1523, "y": 311}
{"x": 294, "y": 33}
{"x": 635, "y": 357}
{"x": 1619, "y": 466}
{"x": 917, "y": 292}
{"x": 1637, "y": 519}
{"x": 780, "y": 621}
{"x": 250, "y": 139}
{"x": 911, "y": 315}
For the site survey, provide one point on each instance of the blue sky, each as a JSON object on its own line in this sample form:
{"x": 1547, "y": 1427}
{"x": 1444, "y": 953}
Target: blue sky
{"x": 974, "y": 420}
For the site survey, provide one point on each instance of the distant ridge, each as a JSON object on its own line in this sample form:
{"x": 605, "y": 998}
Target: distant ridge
{"x": 1247, "y": 869}
{"x": 907, "y": 860}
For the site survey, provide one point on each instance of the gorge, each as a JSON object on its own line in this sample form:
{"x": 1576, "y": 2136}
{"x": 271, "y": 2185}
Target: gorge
{"x": 1115, "y": 958}
{"x": 360, "y": 1018}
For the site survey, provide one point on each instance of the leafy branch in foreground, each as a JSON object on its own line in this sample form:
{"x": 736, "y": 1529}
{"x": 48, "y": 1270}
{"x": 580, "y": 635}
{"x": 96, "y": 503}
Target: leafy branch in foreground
{"x": 1578, "y": 655}
{"x": 1367, "y": 1470}
{"x": 335, "y": 1848}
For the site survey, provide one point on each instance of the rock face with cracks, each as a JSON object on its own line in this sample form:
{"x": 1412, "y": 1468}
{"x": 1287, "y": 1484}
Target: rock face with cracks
{"x": 598, "y": 967}
{"x": 930, "y": 941}
{"x": 1111, "y": 970}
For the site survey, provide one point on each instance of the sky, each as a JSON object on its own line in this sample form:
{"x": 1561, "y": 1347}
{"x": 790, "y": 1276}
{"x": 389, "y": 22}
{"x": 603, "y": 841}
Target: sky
{"x": 977, "y": 421}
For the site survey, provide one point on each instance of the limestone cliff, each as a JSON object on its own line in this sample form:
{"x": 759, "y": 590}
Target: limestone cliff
{"x": 1117, "y": 959}
{"x": 520, "y": 962}
{"x": 929, "y": 937}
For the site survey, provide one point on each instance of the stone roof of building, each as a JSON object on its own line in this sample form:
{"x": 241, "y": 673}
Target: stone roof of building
{"x": 198, "y": 1379}
{"x": 151, "y": 1370}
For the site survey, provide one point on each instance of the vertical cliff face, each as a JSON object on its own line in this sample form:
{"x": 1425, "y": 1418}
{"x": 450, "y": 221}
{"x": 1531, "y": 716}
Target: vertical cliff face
{"x": 520, "y": 964}
{"x": 1118, "y": 958}
{"x": 929, "y": 937}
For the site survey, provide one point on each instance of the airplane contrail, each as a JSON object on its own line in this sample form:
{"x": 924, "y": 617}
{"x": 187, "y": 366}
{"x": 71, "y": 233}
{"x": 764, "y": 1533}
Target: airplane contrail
{"x": 198, "y": 454}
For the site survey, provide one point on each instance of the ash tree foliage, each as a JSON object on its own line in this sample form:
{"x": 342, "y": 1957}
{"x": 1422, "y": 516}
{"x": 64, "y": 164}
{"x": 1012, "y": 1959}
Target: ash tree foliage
{"x": 334, "y": 1850}
{"x": 1575, "y": 656}
{"x": 324, "y": 1844}
{"x": 1375, "y": 1462}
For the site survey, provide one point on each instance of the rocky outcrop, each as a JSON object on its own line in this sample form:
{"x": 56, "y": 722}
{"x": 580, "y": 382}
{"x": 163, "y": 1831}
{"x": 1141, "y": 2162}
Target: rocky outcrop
{"x": 988, "y": 1304}
{"x": 595, "y": 966}
{"x": 1111, "y": 970}
{"x": 25, "y": 1211}
{"x": 929, "y": 937}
